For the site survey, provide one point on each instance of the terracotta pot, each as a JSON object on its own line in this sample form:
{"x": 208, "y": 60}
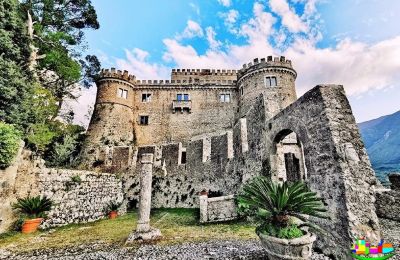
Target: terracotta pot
{"x": 202, "y": 193}
{"x": 113, "y": 214}
{"x": 31, "y": 225}
{"x": 293, "y": 249}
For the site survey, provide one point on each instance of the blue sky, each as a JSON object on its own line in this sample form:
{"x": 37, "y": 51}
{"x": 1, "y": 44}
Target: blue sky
{"x": 351, "y": 42}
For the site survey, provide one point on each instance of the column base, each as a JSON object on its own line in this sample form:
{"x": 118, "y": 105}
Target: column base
{"x": 152, "y": 234}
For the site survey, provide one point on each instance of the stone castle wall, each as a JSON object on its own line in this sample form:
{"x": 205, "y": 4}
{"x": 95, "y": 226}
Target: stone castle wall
{"x": 74, "y": 200}
{"x": 78, "y": 196}
{"x": 207, "y": 113}
{"x": 209, "y": 166}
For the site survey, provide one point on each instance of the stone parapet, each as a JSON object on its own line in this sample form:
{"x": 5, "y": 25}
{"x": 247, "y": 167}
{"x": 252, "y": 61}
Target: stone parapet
{"x": 217, "y": 209}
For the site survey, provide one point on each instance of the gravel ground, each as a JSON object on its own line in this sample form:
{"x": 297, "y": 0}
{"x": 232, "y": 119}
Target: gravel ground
{"x": 204, "y": 250}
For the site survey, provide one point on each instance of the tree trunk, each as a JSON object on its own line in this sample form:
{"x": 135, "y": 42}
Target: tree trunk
{"x": 33, "y": 55}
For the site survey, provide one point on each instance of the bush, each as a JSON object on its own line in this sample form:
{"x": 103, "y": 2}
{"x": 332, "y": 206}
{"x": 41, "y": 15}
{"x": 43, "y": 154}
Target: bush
{"x": 112, "y": 206}
{"x": 9, "y": 144}
{"x": 65, "y": 148}
{"x": 274, "y": 205}
{"x": 33, "y": 207}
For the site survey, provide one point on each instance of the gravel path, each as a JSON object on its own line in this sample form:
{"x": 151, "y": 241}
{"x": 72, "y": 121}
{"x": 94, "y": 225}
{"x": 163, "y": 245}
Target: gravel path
{"x": 250, "y": 249}
{"x": 205, "y": 250}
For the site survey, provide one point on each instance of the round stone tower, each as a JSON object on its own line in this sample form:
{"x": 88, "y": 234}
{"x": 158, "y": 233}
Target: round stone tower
{"x": 111, "y": 124}
{"x": 273, "y": 78}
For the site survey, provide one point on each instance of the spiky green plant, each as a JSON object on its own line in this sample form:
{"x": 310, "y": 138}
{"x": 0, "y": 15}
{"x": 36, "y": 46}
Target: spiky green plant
{"x": 33, "y": 207}
{"x": 275, "y": 203}
{"x": 112, "y": 206}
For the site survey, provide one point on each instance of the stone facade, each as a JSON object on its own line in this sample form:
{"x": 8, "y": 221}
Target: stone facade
{"x": 78, "y": 196}
{"x": 217, "y": 209}
{"x": 205, "y": 140}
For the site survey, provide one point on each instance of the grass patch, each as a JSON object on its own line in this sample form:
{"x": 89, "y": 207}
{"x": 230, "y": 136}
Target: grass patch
{"x": 176, "y": 225}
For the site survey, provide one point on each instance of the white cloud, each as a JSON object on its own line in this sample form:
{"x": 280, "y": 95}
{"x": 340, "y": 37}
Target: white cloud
{"x": 136, "y": 63}
{"x": 231, "y": 16}
{"x": 230, "y": 19}
{"x": 212, "y": 42}
{"x": 359, "y": 67}
{"x": 192, "y": 30}
{"x": 225, "y": 3}
{"x": 288, "y": 16}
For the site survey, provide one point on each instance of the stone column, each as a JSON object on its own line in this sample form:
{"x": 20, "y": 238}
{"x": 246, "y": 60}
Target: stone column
{"x": 143, "y": 229}
{"x": 203, "y": 208}
{"x": 146, "y": 175}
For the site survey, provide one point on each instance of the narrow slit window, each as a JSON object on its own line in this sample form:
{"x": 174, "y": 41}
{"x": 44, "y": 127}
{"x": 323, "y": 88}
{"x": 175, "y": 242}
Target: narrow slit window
{"x": 144, "y": 120}
{"x": 122, "y": 93}
{"x": 271, "y": 81}
{"x": 146, "y": 97}
{"x": 183, "y": 157}
{"x": 241, "y": 91}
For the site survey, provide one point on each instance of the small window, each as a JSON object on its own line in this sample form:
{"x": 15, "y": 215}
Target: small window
{"x": 225, "y": 98}
{"x": 122, "y": 93}
{"x": 270, "y": 81}
{"x": 241, "y": 91}
{"x": 144, "y": 120}
{"x": 183, "y": 157}
{"x": 146, "y": 97}
{"x": 182, "y": 97}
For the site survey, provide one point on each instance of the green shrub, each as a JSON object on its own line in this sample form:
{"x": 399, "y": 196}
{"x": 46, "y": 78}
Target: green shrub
{"x": 33, "y": 207}
{"x": 9, "y": 144}
{"x": 40, "y": 136}
{"x": 76, "y": 179}
{"x": 112, "y": 206}
{"x": 274, "y": 205}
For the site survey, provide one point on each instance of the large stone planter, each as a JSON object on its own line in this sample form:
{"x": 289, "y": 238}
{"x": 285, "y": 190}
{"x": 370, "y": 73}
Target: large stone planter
{"x": 297, "y": 248}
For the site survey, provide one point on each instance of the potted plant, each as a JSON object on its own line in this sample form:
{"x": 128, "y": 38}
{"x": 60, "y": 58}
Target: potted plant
{"x": 112, "y": 209}
{"x": 281, "y": 211}
{"x": 33, "y": 209}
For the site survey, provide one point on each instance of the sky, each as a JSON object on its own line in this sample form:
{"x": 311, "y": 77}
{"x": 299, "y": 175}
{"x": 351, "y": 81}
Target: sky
{"x": 354, "y": 43}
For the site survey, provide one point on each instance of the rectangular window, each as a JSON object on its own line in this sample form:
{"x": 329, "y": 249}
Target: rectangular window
{"x": 241, "y": 91}
{"x": 122, "y": 93}
{"x": 146, "y": 97}
{"x": 270, "y": 81}
{"x": 144, "y": 120}
{"x": 225, "y": 98}
{"x": 182, "y": 97}
{"x": 183, "y": 157}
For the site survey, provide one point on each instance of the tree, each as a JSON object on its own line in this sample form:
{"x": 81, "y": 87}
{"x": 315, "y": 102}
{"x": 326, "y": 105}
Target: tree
{"x": 56, "y": 30}
{"x": 15, "y": 78}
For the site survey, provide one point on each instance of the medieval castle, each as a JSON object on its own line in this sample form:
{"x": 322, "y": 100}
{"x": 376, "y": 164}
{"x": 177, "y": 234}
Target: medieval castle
{"x": 214, "y": 129}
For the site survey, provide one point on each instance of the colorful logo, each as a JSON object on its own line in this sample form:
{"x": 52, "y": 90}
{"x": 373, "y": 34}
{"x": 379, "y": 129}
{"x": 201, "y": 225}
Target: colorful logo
{"x": 364, "y": 250}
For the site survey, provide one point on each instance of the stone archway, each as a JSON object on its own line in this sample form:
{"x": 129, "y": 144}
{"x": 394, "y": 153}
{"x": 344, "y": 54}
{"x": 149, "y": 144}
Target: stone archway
{"x": 288, "y": 157}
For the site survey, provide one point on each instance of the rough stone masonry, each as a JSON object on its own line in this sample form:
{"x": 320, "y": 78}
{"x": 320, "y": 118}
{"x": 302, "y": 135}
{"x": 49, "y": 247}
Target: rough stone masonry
{"x": 214, "y": 129}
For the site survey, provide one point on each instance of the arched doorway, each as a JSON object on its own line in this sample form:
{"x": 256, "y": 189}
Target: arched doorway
{"x": 288, "y": 159}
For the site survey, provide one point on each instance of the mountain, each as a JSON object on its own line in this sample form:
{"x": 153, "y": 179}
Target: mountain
{"x": 382, "y": 139}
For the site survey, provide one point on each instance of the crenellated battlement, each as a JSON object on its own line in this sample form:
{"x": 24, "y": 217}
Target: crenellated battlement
{"x": 203, "y": 72}
{"x": 278, "y": 62}
{"x": 195, "y": 75}
{"x": 184, "y": 82}
{"x": 179, "y": 77}
{"x": 117, "y": 74}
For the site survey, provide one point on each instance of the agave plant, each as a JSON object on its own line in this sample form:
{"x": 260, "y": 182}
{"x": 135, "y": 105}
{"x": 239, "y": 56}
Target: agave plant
{"x": 273, "y": 204}
{"x": 112, "y": 206}
{"x": 33, "y": 207}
